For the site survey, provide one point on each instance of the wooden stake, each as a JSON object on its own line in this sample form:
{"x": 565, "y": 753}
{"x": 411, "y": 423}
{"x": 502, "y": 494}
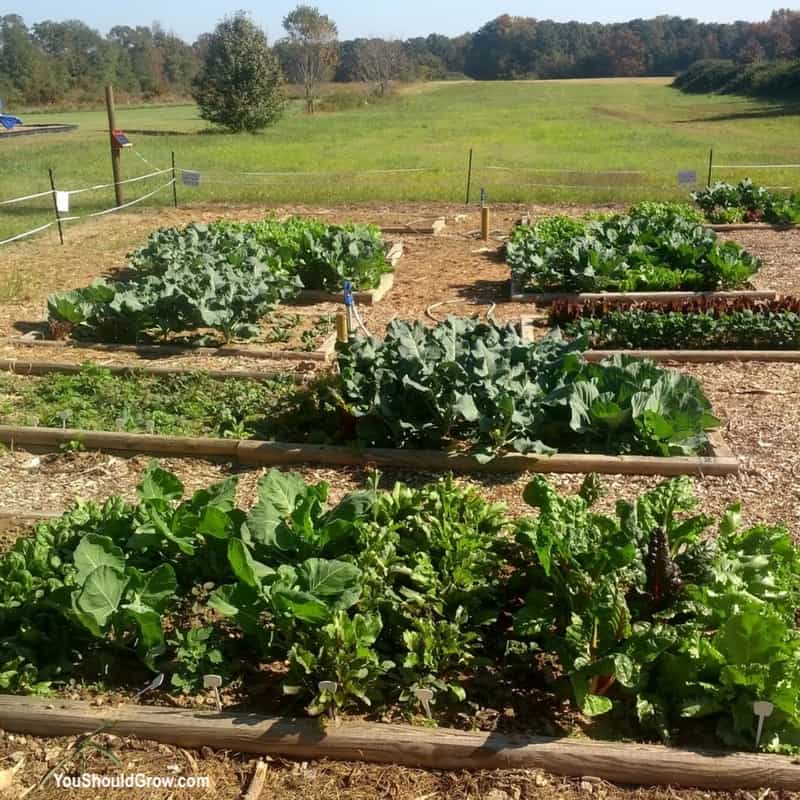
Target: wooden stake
{"x": 469, "y": 176}
{"x": 485, "y": 223}
{"x": 710, "y": 165}
{"x": 402, "y": 744}
{"x": 257, "y": 781}
{"x": 55, "y": 207}
{"x": 342, "y": 332}
{"x": 116, "y": 167}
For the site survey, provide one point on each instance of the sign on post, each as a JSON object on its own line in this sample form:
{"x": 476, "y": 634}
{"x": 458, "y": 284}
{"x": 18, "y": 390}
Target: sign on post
{"x": 687, "y": 177}
{"x": 190, "y": 178}
{"x": 62, "y": 202}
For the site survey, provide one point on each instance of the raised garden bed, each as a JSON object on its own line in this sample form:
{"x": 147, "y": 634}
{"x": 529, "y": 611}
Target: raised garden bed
{"x": 653, "y": 250}
{"x": 718, "y": 324}
{"x": 293, "y": 337}
{"x": 368, "y": 297}
{"x": 448, "y": 417}
{"x": 438, "y": 749}
{"x": 642, "y": 622}
{"x": 747, "y": 206}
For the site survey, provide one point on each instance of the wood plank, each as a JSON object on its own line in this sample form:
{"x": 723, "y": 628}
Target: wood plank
{"x": 547, "y": 298}
{"x": 434, "y": 229}
{"x": 17, "y": 519}
{"x": 260, "y": 453}
{"x": 403, "y": 744}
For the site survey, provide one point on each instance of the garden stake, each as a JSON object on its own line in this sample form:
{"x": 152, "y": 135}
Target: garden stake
{"x": 214, "y": 682}
{"x": 425, "y": 696}
{"x": 762, "y": 709}
{"x": 330, "y": 687}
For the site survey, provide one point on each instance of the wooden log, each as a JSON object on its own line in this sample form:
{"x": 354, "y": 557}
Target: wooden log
{"x": 434, "y": 229}
{"x": 276, "y": 453}
{"x": 750, "y": 226}
{"x": 38, "y": 368}
{"x": 260, "y": 453}
{"x": 323, "y": 354}
{"x": 48, "y": 439}
{"x": 403, "y": 744}
{"x": 547, "y": 298}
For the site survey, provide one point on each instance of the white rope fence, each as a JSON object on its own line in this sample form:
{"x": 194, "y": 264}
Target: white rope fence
{"x": 28, "y": 233}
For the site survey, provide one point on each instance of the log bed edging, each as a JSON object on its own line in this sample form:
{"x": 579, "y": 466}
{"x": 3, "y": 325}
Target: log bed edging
{"x": 404, "y": 744}
{"x": 547, "y": 298}
{"x": 259, "y": 453}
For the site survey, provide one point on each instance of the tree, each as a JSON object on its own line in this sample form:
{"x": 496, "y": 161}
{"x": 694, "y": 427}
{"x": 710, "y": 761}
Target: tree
{"x": 240, "y": 82}
{"x": 379, "y": 62}
{"x": 310, "y": 48}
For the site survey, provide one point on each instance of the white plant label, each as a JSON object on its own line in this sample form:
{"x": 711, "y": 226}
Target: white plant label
{"x": 328, "y": 686}
{"x": 154, "y": 684}
{"x": 762, "y": 709}
{"x": 425, "y": 696}
{"x": 214, "y": 682}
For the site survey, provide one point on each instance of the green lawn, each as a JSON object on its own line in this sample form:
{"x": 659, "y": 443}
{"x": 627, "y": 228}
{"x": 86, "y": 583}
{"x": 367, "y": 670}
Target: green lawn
{"x": 584, "y": 126}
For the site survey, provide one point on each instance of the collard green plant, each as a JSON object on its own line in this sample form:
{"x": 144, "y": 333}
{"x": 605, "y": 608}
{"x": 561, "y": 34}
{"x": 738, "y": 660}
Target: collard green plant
{"x": 654, "y": 247}
{"x": 471, "y": 384}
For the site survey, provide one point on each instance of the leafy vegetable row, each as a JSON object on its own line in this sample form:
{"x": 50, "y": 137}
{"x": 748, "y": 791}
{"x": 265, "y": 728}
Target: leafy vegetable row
{"x": 386, "y": 592}
{"x": 724, "y": 203}
{"x": 465, "y": 382}
{"x": 321, "y": 255}
{"x": 654, "y": 247}
{"x": 765, "y": 325}
{"x": 223, "y": 277}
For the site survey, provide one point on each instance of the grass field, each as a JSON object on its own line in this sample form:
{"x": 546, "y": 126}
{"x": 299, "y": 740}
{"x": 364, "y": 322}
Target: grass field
{"x": 532, "y": 141}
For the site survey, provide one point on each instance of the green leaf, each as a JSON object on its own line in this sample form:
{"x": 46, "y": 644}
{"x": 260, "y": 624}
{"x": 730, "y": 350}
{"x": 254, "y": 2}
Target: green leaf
{"x": 244, "y": 566}
{"x": 102, "y": 594}
{"x": 95, "y": 551}
{"x": 158, "y": 484}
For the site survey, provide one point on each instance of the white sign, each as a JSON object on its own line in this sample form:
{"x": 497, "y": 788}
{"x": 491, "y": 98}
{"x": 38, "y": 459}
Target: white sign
{"x": 190, "y": 178}
{"x": 62, "y": 202}
{"x": 687, "y": 176}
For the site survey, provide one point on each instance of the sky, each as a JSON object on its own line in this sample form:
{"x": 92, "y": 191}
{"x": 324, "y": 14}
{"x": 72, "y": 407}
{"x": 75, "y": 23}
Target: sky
{"x": 390, "y": 18}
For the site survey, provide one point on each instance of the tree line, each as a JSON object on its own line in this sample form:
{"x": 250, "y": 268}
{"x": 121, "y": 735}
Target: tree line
{"x": 57, "y": 62}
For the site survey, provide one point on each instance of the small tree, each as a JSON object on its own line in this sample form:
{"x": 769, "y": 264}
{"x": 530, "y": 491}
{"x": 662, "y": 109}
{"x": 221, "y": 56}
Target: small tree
{"x": 240, "y": 85}
{"x": 311, "y": 49}
{"x": 379, "y": 62}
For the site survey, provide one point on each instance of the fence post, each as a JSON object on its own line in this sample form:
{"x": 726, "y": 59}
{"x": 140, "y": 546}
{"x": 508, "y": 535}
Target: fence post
{"x": 469, "y": 176}
{"x": 710, "y": 165}
{"x": 55, "y": 207}
{"x": 116, "y": 169}
{"x": 174, "y": 182}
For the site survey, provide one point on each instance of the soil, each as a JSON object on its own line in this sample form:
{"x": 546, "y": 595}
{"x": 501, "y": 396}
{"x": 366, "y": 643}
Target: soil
{"x": 451, "y": 273}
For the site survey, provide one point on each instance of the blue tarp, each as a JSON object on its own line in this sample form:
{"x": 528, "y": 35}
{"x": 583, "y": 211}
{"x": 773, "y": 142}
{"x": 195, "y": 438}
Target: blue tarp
{"x": 8, "y": 122}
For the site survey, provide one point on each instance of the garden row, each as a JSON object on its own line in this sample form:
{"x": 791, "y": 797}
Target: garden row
{"x": 463, "y": 394}
{"x": 211, "y": 284}
{"x": 359, "y": 605}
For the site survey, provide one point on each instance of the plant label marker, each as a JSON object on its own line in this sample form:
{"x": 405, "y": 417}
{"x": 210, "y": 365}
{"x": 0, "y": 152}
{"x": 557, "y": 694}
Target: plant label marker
{"x": 64, "y": 416}
{"x": 154, "y": 684}
{"x": 330, "y": 687}
{"x": 425, "y": 696}
{"x": 120, "y": 423}
{"x": 762, "y": 709}
{"x": 214, "y": 682}
{"x": 150, "y": 427}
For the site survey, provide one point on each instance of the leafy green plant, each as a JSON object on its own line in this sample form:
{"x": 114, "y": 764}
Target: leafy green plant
{"x": 642, "y": 610}
{"x": 197, "y": 653}
{"x": 191, "y": 405}
{"x": 468, "y": 383}
{"x": 746, "y": 202}
{"x": 654, "y": 247}
{"x": 706, "y": 323}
